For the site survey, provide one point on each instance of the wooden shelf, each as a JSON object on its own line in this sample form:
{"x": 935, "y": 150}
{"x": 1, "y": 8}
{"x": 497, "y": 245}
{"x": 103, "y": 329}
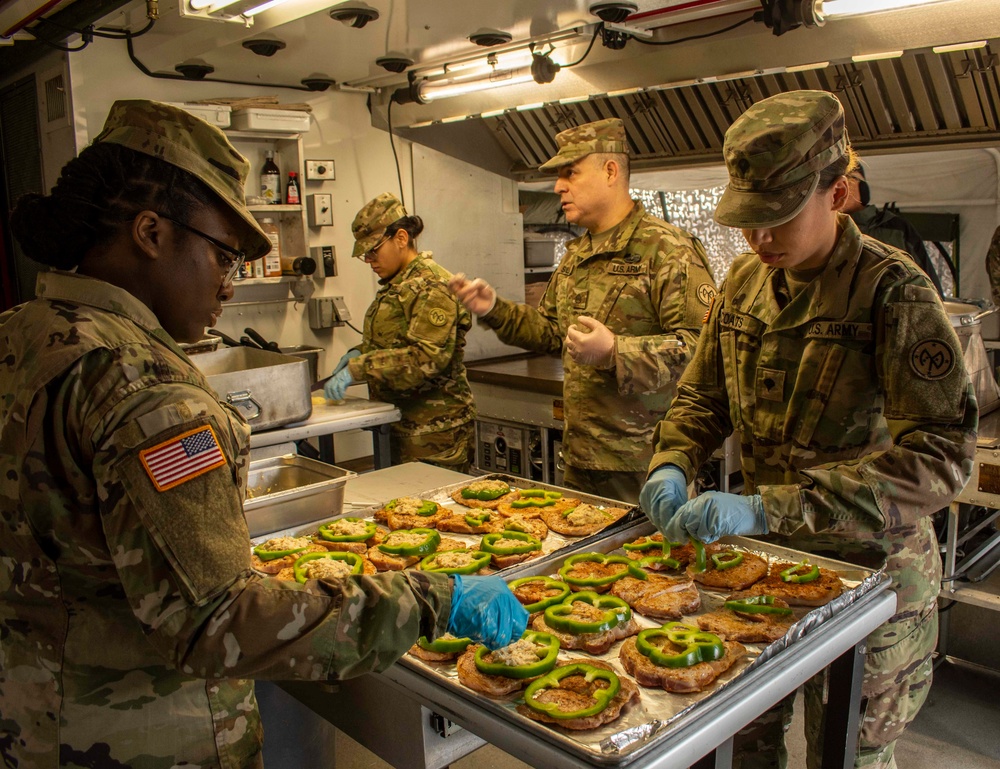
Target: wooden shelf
{"x": 276, "y": 208}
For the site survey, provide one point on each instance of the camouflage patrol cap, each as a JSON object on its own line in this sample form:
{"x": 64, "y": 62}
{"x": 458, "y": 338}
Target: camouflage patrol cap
{"x": 774, "y": 154}
{"x": 575, "y": 143}
{"x": 188, "y": 142}
{"x": 371, "y": 221}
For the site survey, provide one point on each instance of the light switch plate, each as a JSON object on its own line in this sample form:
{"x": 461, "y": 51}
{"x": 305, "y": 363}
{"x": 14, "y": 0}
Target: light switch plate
{"x": 320, "y": 170}
{"x": 319, "y": 210}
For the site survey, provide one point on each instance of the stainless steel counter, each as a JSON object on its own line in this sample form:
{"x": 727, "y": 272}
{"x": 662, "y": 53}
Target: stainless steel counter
{"x": 531, "y": 373}
{"x": 421, "y": 731}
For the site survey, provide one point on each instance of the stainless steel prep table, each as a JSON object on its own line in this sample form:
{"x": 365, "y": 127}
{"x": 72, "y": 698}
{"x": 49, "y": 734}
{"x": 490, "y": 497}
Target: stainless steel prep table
{"x": 402, "y": 715}
{"x": 326, "y": 419}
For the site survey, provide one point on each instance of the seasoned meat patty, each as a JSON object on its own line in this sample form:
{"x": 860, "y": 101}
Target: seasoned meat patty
{"x": 659, "y": 596}
{"x": 455, "y": 522}
{"x": 820, "y": 591}
{"x": 491, "y": 504}
{"x": 574, "y": 693}
{"x": 534, "y": 526}
{"x": 593, "y": 643}
{"x": 535, "y": 511}
{"x": 683, "y": 554}
{"x": 748, "y": 627}
{"x": 389, "y": 562}
{"x": 492, "y": 686}
{"x": 581, "y": 520}
{"x": 594, "y": 570}
{"x": 692, "y": 679}
{"x": 275, "y": 565}
{"x": 752, "y": 569}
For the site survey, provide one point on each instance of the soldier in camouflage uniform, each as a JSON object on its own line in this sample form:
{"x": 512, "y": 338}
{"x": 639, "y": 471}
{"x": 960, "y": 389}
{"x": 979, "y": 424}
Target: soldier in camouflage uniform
{"x": 130, "y": 621}
{"x": 993, "y": 266}
{"x": 414, "y": 341}
{"x": 623, "y": 308}
{"x": 830, "y": 355}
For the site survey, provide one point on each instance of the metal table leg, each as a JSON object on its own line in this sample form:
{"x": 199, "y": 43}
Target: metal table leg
{"x": 720, "y": 758}
{"x": 843, "y": 710}
{"x": 381, "y": 437}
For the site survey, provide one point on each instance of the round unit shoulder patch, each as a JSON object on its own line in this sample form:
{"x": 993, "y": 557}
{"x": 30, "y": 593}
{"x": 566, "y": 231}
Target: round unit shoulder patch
{"x": 706, "y": 293}
{"x": 437, "y": 317}
{"x": 932, "y": 359}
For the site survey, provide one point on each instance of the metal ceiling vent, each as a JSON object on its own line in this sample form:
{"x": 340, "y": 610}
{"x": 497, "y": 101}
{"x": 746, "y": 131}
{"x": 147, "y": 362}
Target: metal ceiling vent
{"x": 614, "y": 13}
{"x": 490, "y": 37}
{"x": 353, "y": 14}
{"x": 394, "y": 62}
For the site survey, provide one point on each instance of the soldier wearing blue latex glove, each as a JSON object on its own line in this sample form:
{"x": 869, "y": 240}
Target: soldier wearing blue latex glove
{"x": 714, "y": 514}
{"x": 345, "y": 359}
{"x": 484, "y": 609}
{"x": 337, "y": 385}
{"x": 662, "y": 494}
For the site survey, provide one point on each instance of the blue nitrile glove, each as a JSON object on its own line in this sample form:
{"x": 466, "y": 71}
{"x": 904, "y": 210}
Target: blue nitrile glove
{"x": 337, "y": 385}
{"x": 714, "y": 514}
{"x": 484, "y": 609}
{"x": 345, "y": 359}
{"x": 664, "y": 492}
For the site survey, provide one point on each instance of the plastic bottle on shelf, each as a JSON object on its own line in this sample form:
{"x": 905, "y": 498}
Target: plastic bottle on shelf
{"x": 272, "y": 262}
{"x": 298, "y": 265}
{"x": 292, "y": 189}
{"x": 270, "y": 179}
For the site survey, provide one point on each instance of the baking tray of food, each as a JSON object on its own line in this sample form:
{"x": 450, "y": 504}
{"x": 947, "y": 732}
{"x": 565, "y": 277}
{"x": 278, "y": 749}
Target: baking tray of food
{"x": 542, "y": 517}
{"x": 644, "y": 722}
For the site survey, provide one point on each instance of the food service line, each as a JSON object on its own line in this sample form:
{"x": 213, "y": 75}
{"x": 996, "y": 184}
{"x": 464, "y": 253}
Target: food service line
{"x": 421, "y": 730}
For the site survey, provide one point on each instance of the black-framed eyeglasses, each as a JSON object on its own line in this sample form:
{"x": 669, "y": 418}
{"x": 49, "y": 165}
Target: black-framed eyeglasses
{"x": 371, "y": 253}
{"x": 231, "y": 258}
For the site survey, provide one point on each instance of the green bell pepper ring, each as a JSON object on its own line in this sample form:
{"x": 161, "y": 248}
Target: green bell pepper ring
{"x": 616, "y": 611}
{"x": 543, "y": 493}
{"x": 270, "y": 555}
{"x": 757, "y": 604}
{"x": 485, "y": 495}
{"x": 478, "y": 520}
{"x": 696, "y": 645}
{"x": 546, "y": 647}
{"x": 444, "y": 645}
{"x": 700, "y": 563}
{"x": 727, "y": 560}
{"x": 791, "y": 573}
{"x": 479, "y": 561}
{"x": 371, "y": 529}
{"x": 357, "y": 565}
{"x": 658, "y": 560}
{"x": 521, "y": 504}
{"x": 530, "y": 543}
{"x": 630, "y": 568}
{"x": 431, "y": 540}
{"x": 548, "y": 582}
{"x": 602, "y": 697}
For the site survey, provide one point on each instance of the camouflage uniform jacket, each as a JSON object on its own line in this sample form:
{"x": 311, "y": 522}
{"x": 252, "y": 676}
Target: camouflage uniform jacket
{"x": 413, "y": 347}
{"x": 855, "y": 413}
{"x": 993, "y": 266}
{"x": 651, "y": 286}
{"x": 130, "y": 621}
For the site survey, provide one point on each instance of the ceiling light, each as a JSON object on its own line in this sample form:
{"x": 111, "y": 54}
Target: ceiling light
{"x": 807, "y": 67}
{"x": 959, "y": 47}
{"x": 241, "y": 11}
{"x": 353, "y": 14}
{"x": 784, "y": 15}
{"x": 493, "y": 113}
{"x": 526, "y": 107}
{"x": 453, "y": 119}
{"x": 510, "y": 60}
{"x": 431, "y": 90}
{"x": 876, "y": 56}
{"x": 574, "y": 99}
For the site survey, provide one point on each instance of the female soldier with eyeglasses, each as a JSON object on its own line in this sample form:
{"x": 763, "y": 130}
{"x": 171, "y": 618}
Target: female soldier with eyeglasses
{"x": 411, "y": 354}
{"x": 130, "y": 620}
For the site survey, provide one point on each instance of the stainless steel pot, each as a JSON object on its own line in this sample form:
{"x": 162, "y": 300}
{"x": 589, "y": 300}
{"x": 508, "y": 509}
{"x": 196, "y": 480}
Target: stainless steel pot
{"x": 966, "y": 319}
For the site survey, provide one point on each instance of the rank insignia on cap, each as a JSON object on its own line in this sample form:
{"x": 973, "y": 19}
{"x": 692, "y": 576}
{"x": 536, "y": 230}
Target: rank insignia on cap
{"x": 932, "y": 359}
{"x": 182, "y": 458}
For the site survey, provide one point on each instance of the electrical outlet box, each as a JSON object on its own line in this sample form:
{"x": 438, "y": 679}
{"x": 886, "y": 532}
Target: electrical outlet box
{"x": 319, "y": 210}
{"x": 320, "y": 170}
{"x": 321, "y": 313}
{"x": 340, "y": 307}
{"x": 326, "y": 259}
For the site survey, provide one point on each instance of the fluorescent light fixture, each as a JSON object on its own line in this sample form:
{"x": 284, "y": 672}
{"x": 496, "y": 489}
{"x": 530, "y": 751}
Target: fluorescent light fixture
{"x": 574, "y": 99}
{"x": 225, "y": 10}
{"x": 454, "y": 119}
{"x": 493, "y": 113}
{"x": 429, "y": 91}
{"x": 262, "y": 7}
{"x": 876, "y": 56}
{"x": 837, "y": 9}
{"x": 526, "y": 107}
{"x": 959, "y": 47}
{"x": 807, "y": 67}
{"x": 624, "y": 91}
{"x": 424, "y": 124}
{"x": 511, "y": 60}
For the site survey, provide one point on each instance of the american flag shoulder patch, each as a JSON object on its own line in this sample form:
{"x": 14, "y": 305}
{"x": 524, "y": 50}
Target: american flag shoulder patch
{"x": 182, "y": 458}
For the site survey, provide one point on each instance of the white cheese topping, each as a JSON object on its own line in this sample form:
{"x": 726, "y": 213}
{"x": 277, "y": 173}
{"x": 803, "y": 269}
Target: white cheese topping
{"x": 584, "y": 515}
{"x": 404, "y": 537}
{"x": 504, "y": 542}
{"x": 453, "y": 560}
{"x": 285, "y": 543}
{"x": 489, "y": 486}
{"x": 520, "y": 652}
{"x": 326, "y": 568}
{"x": 347, "y": 528}
{"x": 407, "y": 505}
